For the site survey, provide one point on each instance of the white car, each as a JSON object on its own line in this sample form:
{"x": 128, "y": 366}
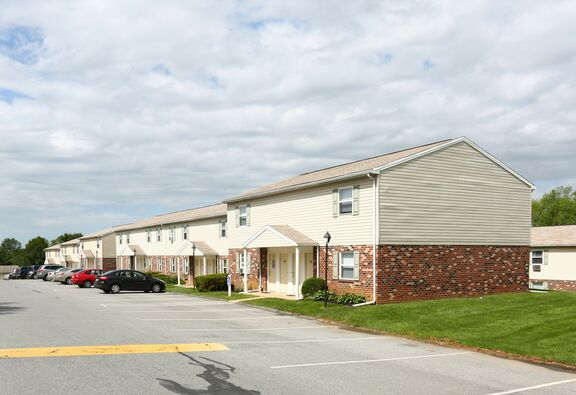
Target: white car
{"x": 50, "y": 276}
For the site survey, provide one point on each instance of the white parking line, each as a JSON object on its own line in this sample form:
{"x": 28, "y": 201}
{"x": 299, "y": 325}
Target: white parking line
{"x": 250, "y": 329}
{"x": 186, "y": 311}
{"x": 214, "y": 319}
{"x": 368, "y": 360}
{"x": 301, "y": 341}
{"x": 165, "y": 304}
{"x": 514, "y": 391}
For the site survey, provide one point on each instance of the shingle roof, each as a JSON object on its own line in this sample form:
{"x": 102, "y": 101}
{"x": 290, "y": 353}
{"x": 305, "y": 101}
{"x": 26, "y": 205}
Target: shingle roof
{"x": 336, "y": 172}
{"x": 554, "y": 236}
{"x": 217, "y": 210}
{"x": 54, "y": 247}
{"x": 293, "y": 235}
{"x": 102, "y": 233}
{"x": 71, "y": 242}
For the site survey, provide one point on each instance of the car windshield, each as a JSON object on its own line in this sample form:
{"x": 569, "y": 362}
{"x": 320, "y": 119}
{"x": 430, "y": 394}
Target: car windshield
{"x": 110, "y": 273}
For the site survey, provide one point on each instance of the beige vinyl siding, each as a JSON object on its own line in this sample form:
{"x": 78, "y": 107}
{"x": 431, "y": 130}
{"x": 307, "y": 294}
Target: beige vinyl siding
{"x": 108, "y": 246}
{"x": 269, "y": 239}
{"x": 309, "y": 211}
{"x": 453, "y": 196}
{"x": 560, "y": 264}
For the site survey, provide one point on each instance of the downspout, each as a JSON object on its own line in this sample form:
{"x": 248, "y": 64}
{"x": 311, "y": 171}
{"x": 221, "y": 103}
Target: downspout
{"x": 375, "y": 179}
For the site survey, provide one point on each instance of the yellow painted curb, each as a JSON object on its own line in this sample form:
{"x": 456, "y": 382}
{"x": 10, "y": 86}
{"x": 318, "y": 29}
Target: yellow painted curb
{"x": 108, "y": 350}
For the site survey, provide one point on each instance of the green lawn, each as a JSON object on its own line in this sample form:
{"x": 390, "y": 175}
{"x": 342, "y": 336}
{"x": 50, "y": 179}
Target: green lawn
{"x": 536, "y": 325}
{"x": 213, "y": 294}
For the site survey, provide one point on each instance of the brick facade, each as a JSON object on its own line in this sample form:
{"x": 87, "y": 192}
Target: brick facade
{"x": 559, "y": 285}
{"x": 108, "y": 263}
{"x": 238, "y": 279}
{"x": 431, "y": 272}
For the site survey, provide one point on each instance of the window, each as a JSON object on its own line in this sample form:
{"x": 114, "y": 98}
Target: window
{"x": 98, "y": 243}
{"x": 148, "y": 235}
{"x": 185, "y": 264}
{"x": 242, "y": 263}
{"x": 127, "y": 238}
{"x": 537, "y": 260}
{"x": 224, "y": 265}
{"x": 159, "y": 234}
{"x": 172, "y": 265}
{"x": 347, "y": 266}
{"x": 345, "y": 200}
{"x": 243, "y": 215}
{"x": 147, "y": 264}
{"x": 159, "y": 264}
{"x": 222, "y": 231}
{"x": 172, "y": 235}
{"x": 120, "y": 237}
{"x": 185, "y": 232}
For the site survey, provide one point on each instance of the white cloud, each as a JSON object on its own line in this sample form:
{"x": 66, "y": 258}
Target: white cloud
{"x": 140, "y": 108}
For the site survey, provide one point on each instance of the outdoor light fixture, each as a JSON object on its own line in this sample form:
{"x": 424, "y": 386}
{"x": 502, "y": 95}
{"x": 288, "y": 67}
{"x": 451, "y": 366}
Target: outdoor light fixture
{"x": 327, "y": 237}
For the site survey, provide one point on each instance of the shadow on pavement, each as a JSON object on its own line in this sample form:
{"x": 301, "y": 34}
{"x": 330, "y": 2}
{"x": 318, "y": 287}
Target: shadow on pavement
{"x": 215, "y": 373}
{"x": 7, "y": 308}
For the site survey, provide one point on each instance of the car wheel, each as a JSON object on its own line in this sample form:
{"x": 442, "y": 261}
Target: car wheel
{"x": 115, "y": 288}
{"x": 106, "y": 291}
{"x": 156, "y": 288}
{"x": 68, "y": 281}
{"x": 35, "y": 277}
{"x": 45, "y": 278}
{"x": 86, "y": 284}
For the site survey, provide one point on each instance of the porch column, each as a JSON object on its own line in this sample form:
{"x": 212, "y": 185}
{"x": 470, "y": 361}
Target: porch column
{"x": 178, "y": 269}
{"x": 204, "y": 263}
{"x": 297, "y": 294}
{"x": 245, "y": 272}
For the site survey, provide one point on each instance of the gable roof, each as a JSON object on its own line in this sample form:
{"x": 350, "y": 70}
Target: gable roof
{"x": 289, "y": 235}
{"x": 213, "y": 211}
{"x": 101, "y": 233}
{"x": 362, "y": 167}
{"x": 54, "y": 247}
{"x": 553, "y": 236}
{"x": 71, "y": 242}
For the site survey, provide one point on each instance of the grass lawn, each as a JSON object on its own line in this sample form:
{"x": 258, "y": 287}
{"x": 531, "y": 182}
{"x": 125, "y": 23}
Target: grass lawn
{"x": 535, "y": 325}
{"x": 213, "y": 294}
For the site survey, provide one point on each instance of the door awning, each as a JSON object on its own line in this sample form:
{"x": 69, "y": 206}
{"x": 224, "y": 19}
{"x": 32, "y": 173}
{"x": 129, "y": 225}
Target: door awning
{"x": 278, "y": 236}
{"x": 88, "y": 253}
{"x": 132, "y": 250}
{"x": 198, "y": 248}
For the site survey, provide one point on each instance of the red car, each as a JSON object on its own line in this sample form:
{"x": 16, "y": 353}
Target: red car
{"x": 86, "y": 278}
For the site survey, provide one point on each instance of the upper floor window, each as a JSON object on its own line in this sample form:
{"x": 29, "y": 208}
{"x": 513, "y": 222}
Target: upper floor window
{"x": 222, "y": 229}
{"x": 148, "y": 235}
{"x": 185, "y": 232}
{"x": 120, "y": 238}
{"x": 98, "y": 243}
{"x": 241, "y": 263}
{"x": 346, "y": 201}
{"x": 159, "y": 234}
{"x": 243, "y": 215}
{"x": 127, "y": 238}
{"x": 172, "y": 235}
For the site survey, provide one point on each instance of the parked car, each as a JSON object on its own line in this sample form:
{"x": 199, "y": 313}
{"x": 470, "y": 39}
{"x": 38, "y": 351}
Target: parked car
{"x": 43, "y": 271}
{"x": 23, "y": 272}
{"x": 65, "y": 276}
{"x": 33, "y": 270}
{"x": 115, "y": 281}
{"x": 15, "y": 274}
{"x": 87, "y": 277}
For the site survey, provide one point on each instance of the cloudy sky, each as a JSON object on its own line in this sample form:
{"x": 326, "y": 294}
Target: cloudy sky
{"x": 112, "y": 111}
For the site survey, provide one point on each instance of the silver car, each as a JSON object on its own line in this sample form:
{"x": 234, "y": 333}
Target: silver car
{"x": 64, "y": 276}
{"x": 50, "y": 276}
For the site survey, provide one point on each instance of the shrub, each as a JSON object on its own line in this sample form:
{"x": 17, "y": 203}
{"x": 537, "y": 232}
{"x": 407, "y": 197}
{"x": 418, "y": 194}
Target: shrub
{"x": 319, "y": 295}
{"x": 167, "y": 278}
{"x": 312, "y": 285}
{"x": 211, "y": 282}
{"x": 349, "y": 298}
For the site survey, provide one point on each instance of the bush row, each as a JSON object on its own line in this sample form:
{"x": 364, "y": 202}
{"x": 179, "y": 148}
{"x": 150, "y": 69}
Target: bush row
{"x": 347, "y": 298}
{"x": 167, "y": 278}
{"x": 212, "y": 282}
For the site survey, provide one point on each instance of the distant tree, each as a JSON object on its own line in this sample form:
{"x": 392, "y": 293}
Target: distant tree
{"x": 65, "y": 237}
{"x": 20, "y": 258}
{"x": 557, "y": 207}
{"x": 8, "y": 248}
{"x": 35, "y": 249}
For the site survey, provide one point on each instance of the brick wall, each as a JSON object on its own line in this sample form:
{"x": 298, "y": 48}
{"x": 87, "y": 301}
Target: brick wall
{"x": 362, "y": 286}
{"x": 559, "y": 285}
{"x": 238, "y": 279}
{"x": 431, "y": 272}
{"x": 108, "y": 263}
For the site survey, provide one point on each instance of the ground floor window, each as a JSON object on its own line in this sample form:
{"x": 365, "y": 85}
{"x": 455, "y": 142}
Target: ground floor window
{"x": 242, "y": 263}
{"x": 537, "y": 260}
{"x": 172, "y": 265}
{"x": 224, "y": 265}
{"x": 347, "y": 266}
{"x": 159, "y": 264}
{"x": 185, "y": 264}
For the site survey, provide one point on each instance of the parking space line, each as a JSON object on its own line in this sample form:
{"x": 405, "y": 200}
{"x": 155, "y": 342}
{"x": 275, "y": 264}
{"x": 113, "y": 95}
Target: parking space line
{"x": 108, "y": 350}
{"x": 514, "y": 391}
{"x": 187, "y": 311}
{"x": 214, "y": 319}
{"x": 351, "y": 339}
{"x": 250, "y": 329}
{"x": 368, "y": 360}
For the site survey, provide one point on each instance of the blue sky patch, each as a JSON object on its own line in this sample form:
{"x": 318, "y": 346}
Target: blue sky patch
{"x": 8, "y": 95}
{"x": 428, "y": 64}
{"x": 21, "y": 43}
{"x": 161, "y": 69}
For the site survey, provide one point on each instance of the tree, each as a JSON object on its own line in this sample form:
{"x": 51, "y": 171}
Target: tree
{"x": 65, "y": 237}
{"x": 557, "y": 207}
{"x": 8, "y": 248}
{"x": 35, "y": 249}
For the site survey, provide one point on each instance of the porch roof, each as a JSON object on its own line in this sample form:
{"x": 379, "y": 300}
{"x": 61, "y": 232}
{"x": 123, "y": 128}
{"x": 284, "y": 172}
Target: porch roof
{"x": 132, "y": 250}
{"x": 88, "y": 253}
{"x": 202, "y": 249}
{"x": 278, "y": 236}
{"x": 50, "y": 260}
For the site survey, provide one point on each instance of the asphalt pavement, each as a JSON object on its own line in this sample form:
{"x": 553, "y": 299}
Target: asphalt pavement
{"x": 58, "y": 339}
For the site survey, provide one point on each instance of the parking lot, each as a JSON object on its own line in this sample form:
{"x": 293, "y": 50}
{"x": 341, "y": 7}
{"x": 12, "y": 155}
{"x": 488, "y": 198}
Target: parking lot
{"x": 65, "y": 339}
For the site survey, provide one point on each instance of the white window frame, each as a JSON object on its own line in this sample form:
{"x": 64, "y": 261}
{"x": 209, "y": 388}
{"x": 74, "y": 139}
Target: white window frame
{"x": 159, "y": 264}
{"x": 342, "y": 266}
{"x": 127, "y": 238}
{"x": 242, "y": 263}
{"x": 350, "y": 201}
{"x": 225, "y": 265}
{"x": 98, "y": 243}
{"x": 148, "y": 235}
{"x": 537, "y": 266}
{"x": 223, "y": 228}
{"x": 185, "y": 232}
{"x": 159, "y": 235}
{"x": 171, "y": 235}
{"x": 185, "y": 264}
{"x": 243, "y": 216}
{"x": 120, "y": 238}
{"x": 172, "y": 265}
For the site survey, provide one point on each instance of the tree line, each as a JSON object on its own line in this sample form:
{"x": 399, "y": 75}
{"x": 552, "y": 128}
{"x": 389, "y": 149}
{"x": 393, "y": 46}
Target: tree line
{"x": 12, "y": 252}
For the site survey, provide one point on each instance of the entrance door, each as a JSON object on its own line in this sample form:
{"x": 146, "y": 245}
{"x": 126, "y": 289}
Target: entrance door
{"x": 133, "y": 262}
{"x": 285, "y": 273}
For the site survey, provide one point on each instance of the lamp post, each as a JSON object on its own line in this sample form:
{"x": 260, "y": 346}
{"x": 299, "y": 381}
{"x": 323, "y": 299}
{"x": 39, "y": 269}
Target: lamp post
{"x": 327, "y": 237}
{"x": 191, "y": 265}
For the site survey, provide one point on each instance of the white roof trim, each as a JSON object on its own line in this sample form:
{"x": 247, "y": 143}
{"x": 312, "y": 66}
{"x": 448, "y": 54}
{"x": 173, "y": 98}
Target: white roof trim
{"x": 448, "y": 144}
{"x": 187, "y": 244}
{"x": 264, "y": 229}
{"x": 130, "y": 252}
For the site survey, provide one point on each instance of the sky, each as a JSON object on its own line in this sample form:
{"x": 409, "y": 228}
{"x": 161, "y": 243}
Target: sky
{"x": 114, "y": 111}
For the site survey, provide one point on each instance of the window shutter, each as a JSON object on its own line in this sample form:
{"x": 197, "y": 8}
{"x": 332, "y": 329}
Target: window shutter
{"x": 335, "y": 203}
{"x": 237, "y": 216}
{"x": 247, "y": 215}
{"x": 335, "y": 265}
{"x": 356, "y": 265}
{"x": 248, "y": 262}
{"x": 544, "y": 257}
{"x": 219, "y": 229}
{"x": 356, "y": 200}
